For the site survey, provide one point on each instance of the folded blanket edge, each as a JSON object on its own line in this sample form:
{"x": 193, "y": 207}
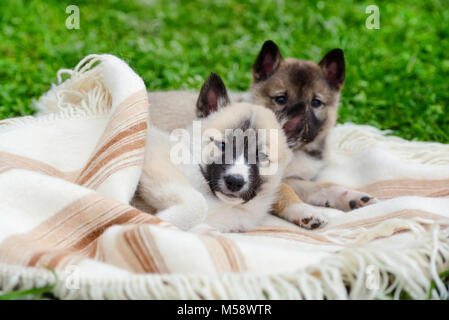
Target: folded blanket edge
{"x": 352, "y": 273}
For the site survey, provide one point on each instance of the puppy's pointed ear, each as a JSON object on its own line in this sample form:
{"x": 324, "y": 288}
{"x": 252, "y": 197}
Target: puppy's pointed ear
{"x": 333, "y": 66}
{"x": 213, "y": 96}
{"x": 267, "y": 61}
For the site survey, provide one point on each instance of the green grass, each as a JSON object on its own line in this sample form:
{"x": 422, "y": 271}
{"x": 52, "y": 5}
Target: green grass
{"x": 397, "y": 77}
{"x": 33, "y": 293}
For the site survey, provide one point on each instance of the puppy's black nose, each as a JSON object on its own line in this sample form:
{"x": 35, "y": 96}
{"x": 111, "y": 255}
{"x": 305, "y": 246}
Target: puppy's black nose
{"x": 234, "y": 182}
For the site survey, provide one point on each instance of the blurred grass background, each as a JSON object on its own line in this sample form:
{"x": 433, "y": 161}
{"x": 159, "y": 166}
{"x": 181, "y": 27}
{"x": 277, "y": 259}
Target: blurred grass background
{"x": 397, "y": 76}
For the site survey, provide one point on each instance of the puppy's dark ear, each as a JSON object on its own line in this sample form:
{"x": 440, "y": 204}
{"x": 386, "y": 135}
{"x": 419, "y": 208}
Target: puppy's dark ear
{"x": 213, "y": 96}
{"x": 267, "y": 61}
{"x": 333, "y": 66}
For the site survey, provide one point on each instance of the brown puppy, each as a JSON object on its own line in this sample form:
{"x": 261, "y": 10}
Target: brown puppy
{"x": 304, "y": 96}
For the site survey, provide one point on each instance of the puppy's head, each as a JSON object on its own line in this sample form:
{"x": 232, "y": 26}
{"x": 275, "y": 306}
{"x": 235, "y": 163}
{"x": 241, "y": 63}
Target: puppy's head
{"x": 244, "y": 150}
{"x": 304, "y": 95}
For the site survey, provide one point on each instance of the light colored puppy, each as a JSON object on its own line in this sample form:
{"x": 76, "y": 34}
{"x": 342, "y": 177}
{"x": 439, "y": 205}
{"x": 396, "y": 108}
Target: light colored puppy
{"x": 234, "y": 182}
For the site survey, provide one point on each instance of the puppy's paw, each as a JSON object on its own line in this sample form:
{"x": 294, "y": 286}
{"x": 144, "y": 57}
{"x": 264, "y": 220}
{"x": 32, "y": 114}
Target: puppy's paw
{"x": 341, "y": 198}
{"x": 188, "y": 214}
{"x": 306, "y": 216}
{"x": 357, "y": 199}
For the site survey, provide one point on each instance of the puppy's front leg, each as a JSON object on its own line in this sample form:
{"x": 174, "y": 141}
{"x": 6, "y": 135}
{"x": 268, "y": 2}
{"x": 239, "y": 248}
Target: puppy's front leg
{"x": 329, "y": 194}
{"x": 291, "y": 208}
{"x": 177, "y": 203}
{"x": 188, "y": 214}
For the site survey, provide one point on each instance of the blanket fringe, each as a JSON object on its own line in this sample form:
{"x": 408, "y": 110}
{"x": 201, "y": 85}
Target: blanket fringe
{"x": 364, "y": 235}
{"x": 82, "y": 95}
{"x": 83, "y": 91}
{"x": 364, "y": 271}
{"x": 349, "y": 138}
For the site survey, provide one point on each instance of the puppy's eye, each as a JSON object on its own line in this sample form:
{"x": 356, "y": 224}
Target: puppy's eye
{"x": 316, "y": 103}
{"x": 262, "y": 158}
{"x": 281, "y": 100}
{"x": 220, "y": 145}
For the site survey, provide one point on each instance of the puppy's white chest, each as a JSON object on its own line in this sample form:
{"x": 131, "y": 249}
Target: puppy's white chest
{"x": 233, "y": 219}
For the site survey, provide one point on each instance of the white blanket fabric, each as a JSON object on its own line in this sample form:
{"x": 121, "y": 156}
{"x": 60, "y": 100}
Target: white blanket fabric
{"x": 67, "y": 176}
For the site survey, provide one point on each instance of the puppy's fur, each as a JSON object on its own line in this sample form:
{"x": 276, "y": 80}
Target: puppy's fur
{"x": 214, "y": 193}
{"x": 305, "y": 95}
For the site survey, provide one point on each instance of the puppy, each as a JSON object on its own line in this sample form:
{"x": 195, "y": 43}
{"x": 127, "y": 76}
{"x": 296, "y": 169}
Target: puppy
{"x": 232, "y": 186}
{"x": 304, "y": 96}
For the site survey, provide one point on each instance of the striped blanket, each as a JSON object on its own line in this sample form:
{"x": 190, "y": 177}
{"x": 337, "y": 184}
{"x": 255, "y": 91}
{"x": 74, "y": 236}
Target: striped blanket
{"x": 68, "y": 176}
